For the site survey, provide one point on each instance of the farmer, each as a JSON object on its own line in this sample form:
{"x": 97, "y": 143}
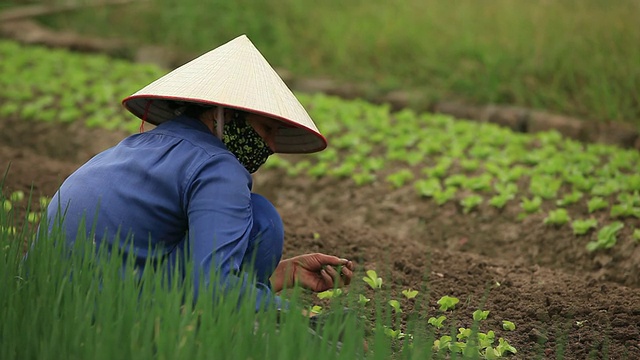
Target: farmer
{"x": 184, "y": 187}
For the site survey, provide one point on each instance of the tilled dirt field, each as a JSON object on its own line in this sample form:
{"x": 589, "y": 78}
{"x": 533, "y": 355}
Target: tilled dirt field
{"x": 562, "y": 299}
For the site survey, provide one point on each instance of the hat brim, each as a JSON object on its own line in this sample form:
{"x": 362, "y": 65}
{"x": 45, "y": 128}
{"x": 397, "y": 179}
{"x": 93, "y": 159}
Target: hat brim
{"x": 291, "y": 137}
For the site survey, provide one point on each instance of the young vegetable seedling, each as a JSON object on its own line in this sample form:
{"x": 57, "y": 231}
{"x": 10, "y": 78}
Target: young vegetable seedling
{"x": 410, "y": 293}
{"x": 363, "y": 300}
{"x": 606, "y": 237}
{"x": 395, "y": 304}
{"x": 581, "y": 227}
{"x": 597, "y": 203}
{"x": 373, "y": 280}
{"x": 480, "y": 315}
{"x": 557, "y": 217}
{"x": 437, "y": 322}
{"x": 447, "y": 302}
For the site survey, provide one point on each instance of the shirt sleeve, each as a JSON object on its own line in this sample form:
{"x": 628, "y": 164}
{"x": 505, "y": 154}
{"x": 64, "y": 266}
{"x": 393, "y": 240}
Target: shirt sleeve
{"x": 218, "y": 206}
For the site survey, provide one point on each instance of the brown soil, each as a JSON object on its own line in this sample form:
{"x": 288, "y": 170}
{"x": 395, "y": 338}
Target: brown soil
{"x": 561, "y": 298}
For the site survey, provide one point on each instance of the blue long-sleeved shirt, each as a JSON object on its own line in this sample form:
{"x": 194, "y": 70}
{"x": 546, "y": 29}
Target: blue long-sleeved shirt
{"x": 157, "y": 186}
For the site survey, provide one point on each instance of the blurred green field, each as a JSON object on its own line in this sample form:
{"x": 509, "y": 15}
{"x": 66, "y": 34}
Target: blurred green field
{"x": 576, "y": 57}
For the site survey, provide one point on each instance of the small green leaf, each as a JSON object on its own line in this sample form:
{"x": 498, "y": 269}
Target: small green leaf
{"x": 557, "y": 217}
{"x": 437, "y": 322}
{"x": 395, "y": 304}
{"x": 363, "y": 300}
{"x": 606, "y": 237}
{"x": 410, "y": 293}
{"x": 373, "y": 280}
{"x": 447, "y": 302}
{"x": 508, "y": 325}
{"x": 581, "y": 227}
{"x": 480, "y": 315}
{"x": 597, "y": 203}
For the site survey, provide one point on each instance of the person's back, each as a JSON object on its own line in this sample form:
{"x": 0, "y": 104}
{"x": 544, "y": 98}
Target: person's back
{"x": 142, "y": 187}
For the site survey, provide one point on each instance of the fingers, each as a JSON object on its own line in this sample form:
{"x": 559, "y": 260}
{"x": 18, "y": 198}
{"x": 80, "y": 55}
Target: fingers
{"x": 328, "y": 279}
{"x": 342, "y": 276}
{"x": 329, "y": 259}
{"x": 346, "y": 274}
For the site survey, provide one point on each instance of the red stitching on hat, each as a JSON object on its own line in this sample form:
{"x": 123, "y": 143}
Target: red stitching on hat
{"x": 144, "y": 116}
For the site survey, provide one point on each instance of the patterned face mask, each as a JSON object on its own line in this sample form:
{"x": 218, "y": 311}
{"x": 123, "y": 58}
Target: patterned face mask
{"x": 246, "y": 144}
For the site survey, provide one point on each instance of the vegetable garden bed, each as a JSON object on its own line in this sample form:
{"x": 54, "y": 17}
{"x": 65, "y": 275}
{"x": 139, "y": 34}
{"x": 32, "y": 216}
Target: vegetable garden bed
{"x": 441, "y": 206}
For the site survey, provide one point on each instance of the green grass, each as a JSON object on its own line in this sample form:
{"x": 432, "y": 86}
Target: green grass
{"x": 88, "y": 303}
{"x": 577, "y": 57}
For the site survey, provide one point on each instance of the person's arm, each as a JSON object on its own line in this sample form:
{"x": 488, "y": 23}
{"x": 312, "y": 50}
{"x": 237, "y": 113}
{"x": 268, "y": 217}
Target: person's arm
{"x": 218, "y": 206}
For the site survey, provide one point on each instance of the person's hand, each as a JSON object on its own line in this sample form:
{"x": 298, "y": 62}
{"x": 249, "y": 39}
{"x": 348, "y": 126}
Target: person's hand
{"x": 317, "y": 272}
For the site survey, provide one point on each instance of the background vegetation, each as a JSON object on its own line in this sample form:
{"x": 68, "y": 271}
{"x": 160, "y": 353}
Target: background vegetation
{"x": 577, "y": 57}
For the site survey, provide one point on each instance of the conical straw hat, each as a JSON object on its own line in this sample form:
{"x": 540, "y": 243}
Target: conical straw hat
{"x": 233, "y": 75}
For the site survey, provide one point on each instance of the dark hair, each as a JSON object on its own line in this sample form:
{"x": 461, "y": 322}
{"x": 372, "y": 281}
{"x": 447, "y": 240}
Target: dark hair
{"x": 186, "y": 108}
{"x": 194, "y": 110}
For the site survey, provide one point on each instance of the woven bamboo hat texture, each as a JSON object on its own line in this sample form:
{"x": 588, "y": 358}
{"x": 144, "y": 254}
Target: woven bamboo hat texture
{"x": 234, "y": 75}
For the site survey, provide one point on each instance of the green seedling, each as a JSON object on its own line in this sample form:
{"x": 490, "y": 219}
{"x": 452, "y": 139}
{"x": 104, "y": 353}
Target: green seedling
{"x": 442, "y": 197}
{"x": 624, "y": 210}
{"x": 557, "y": 217}
{"x": 463, "y": 333}
{"x": 531, "y": 206}
{"x": 504, "y": 347}
{"x": 581, "y": 227}
{"x": 363, "y": 178}
{"x": 486, "y": 340}
{"x": 633, "y": 199}
{"x": 373, "y": 280}
{"x": 394, "y": 334}
{"x": 480, "y": 315}
{"x": 442, "y": 343}
{"x": 428, "y": 187}
{"x": 33, "y": 217}
{"x": 605, "y": 189}
{"x": 597, "y": 203}
{"x": 636, "y": 235}
{"x": 447, "y": 302}
{"x": 606, "y": 237}
{"x": 315, "y": 310}
{"x": 508, "y": 325}
{"x": 363, "y": 300}
{"x": 500, "y": 200}
{"x": 318, "y": 170}
{"x": 455, "y": 180}
{"x": 44, "y": 202}
{"x": 329, "y": 294}
{"x": 506, "y": 188}
{"x": 545, "y": 187}
{"x": 9, "y": 230}
{"x": 569, "y": 199}
{"x": 438, "y": 171}
{"x": 470, "y": 164}
{"x": 17, "y": 196}
{"x": 395, "y": 304}
{"x": 6, "y": 205}
{"x": 399, "y": 178}
{"x": 470, "y": 202}
{"x": 437, "y": 322}
{"x": 410, "y": 293}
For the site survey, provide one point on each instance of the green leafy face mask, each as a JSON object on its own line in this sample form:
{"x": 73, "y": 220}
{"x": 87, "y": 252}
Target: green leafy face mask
{"x": 246, "y": 144}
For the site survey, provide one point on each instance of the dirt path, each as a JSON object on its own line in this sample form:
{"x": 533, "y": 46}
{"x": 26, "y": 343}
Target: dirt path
{"x": 553, "y": 290}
